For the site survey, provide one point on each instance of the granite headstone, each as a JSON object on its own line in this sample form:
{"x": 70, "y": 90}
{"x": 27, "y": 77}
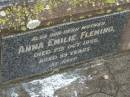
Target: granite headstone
{"x": 33, "y": 52}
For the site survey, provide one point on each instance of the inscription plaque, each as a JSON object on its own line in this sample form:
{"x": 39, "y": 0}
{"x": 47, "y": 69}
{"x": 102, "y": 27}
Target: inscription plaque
{"x": 59, "y": 46}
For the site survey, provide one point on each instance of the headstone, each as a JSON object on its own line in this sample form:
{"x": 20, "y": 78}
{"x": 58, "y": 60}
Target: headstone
{"x": 58, "y": 46}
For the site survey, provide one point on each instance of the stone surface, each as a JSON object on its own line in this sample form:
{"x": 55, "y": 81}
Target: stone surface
{"x": 61, "y": 46}
{"x": 100, "y": 78}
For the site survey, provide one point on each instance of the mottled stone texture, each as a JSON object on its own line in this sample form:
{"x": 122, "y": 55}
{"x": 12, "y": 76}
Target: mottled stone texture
{"x": 38, "y": 51}
{"x": 105, "y": 78}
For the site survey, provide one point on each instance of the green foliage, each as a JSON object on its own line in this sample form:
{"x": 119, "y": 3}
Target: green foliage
{"x": 39, "y": 6}
{"x": 18, "y": 16}
{"x": 109, "y": 1}
{"x": 3, "y": 21}
{"x": 75, "y": 3}
{"x": 55, "y": 3}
